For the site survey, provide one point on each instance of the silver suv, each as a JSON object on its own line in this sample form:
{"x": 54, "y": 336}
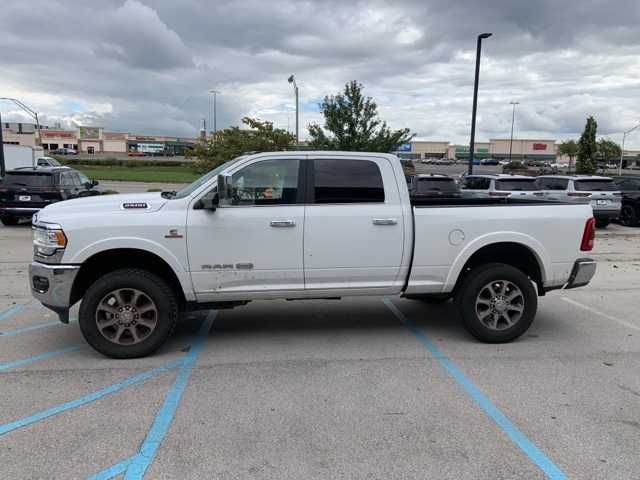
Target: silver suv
{"x": 514, "y": 186}
{"x": 603, "y": 194}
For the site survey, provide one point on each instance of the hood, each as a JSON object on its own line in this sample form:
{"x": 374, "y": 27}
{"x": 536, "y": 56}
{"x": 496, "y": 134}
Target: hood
{"x": 134, "y": 203}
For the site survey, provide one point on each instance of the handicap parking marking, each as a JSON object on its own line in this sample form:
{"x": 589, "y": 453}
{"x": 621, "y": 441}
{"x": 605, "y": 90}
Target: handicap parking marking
{"x": 89, "y": 398}
{"x": 12, "y": 310}
{"x": 509, "y": 428}
{"x": 42, "y": 356}
{"x": 135, "y": 467}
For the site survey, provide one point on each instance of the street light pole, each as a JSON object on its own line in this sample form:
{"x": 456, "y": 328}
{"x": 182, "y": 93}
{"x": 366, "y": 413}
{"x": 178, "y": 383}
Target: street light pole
{"x": 33, "y": 114}
{"x": 475, "y": 99}
{"x": 2, "y": 166}
{"x": 513, "y": 117}
{"x": 292, "y": 80}
{"x": 215, "y": 116}
{"x": 624, "y": 136}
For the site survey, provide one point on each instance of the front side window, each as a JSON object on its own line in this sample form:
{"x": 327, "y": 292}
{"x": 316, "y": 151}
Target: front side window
{"x": 347, "y": 181}
{"x": 268, "y": 182}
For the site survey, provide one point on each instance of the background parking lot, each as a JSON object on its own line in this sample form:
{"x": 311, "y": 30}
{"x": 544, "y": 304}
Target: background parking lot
{"x": 319, "y": 389}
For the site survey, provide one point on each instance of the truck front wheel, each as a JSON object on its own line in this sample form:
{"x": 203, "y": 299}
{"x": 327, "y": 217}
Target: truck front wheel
{"x": 128, "y": 313}
{"x": 497, "y": 302}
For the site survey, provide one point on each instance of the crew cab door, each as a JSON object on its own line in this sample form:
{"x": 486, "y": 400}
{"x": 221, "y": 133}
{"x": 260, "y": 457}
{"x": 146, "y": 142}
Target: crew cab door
{"x": 354, "y": 226}
{"x": 251, "y": 248}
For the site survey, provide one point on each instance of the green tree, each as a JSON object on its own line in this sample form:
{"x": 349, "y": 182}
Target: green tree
{"x": 587, "y": 148}
{"x": 351, "y": 123}
{"x": 608, "y": 150}
{"x": 570, "y": 149}
{"x": 231, "y": 142}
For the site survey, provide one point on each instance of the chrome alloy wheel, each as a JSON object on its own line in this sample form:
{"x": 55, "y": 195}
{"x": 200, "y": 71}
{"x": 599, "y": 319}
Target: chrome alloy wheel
{"x": 499, "y": 305}
{"x": 126, "y": 316}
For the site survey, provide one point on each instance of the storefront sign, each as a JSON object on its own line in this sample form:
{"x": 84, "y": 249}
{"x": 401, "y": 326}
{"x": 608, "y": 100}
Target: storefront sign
{"x": 539, "y": 146}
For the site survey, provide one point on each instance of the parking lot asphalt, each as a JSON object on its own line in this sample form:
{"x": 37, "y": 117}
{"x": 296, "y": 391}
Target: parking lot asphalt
{"x": 359, "y": 388}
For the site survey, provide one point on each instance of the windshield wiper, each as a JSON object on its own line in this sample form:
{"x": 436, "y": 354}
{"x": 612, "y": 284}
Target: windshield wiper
{"x": 169, "y": 194}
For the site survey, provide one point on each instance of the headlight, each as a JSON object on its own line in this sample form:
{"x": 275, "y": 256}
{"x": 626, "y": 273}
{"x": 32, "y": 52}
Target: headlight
{"x": 49, "y": 240}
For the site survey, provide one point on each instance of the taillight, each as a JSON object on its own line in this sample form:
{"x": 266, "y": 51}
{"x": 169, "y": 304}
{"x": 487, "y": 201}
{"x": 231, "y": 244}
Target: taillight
{"x": 589, "y": 235}
{"x": 499, "y": 194}
{"x": 578, "y": 194}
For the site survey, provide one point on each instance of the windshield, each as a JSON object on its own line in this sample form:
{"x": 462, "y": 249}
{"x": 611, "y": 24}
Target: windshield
{"x": 189, "y": 189}
{"x": 515, "y": 184}
{"x": 27, "y": 179}
{"x": 436, "y": 185}
{"x": 604, "y": 185}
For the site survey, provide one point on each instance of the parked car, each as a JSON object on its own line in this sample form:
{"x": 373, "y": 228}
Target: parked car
{"x": 25, "y": 191}
{"x": 489, "y": 161}
{"x": 630, "y": 188}
{"x": 303, "y": 225}
{"x": 433, "y": 186}
{"x": 47, "y": 162}
{"x": 444, "y": 161}
{"x": 600, "y": 192}
{"x": 64, "y": 151}
{"x": 500, "y": 185}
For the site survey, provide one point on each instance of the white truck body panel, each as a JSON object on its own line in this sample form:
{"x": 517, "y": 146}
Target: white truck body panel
{"x": 235, "y": 253}
{"x": 20, "y": 156}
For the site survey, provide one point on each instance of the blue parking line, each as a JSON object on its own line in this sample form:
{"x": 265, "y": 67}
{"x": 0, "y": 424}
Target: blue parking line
{"x": 92, "y": 397}
{"x": 41, "y": 356}
{"x": 114, "y": 470}
{"x": 162, "y": 422}
{"x": 11, "y": 311}
{"x": 516, "y": 436}
{"x": 40, "y": 326}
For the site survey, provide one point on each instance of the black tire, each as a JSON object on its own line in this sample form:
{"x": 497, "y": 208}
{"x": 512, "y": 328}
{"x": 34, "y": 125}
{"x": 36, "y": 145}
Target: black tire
{"x": 602, "y": 223}
{"x": 473, "y": 286}
{"x": 154, "y": 287}
{"x": 9, "y": 220}
{"x": 629, "y": 216}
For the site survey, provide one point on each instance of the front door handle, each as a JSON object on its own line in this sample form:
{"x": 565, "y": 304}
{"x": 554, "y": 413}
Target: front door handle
{"x": 385, "y": 221}
{"x": 283, "y": 223}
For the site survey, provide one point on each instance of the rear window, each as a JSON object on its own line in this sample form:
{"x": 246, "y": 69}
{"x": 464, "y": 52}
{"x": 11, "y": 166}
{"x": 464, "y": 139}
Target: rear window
{"x": 517, "y": 184}
{"x": 552, "y": 183}
{"x": 595, "y": 185}
{"x": 347, "y": 181}
{"x": 27, "y": 180}
{"x": 436, "y": 185}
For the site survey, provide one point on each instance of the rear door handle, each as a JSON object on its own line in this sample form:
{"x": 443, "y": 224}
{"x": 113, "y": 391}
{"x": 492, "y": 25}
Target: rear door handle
{"x": 385, "y": 221}
{"x": 283, "y": 223}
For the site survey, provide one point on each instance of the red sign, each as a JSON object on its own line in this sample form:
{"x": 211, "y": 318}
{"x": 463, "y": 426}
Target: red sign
{"x": 114, "y": 136}
{"x": 58, "y": 134}
{"x": 539, "y": 146}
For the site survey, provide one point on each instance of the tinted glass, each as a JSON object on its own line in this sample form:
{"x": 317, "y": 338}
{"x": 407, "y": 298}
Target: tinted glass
{"x": 83, "y": 178}
{"x": 269, "y": 182}
{"x": 76, "y": 178}
{"x": 595, "y": 185}
{"x": 552, "y": 183}
{"x": 517, "y": 184}
{"x": 27, "y": 180}
{"x": 347, "y": 181}
{"x": 66, "y": 179}
{"x": 477, "y": 183}
{"x": 436, "y": 185}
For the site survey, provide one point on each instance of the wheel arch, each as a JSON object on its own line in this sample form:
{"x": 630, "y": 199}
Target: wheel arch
{"x": 110, "y": 260}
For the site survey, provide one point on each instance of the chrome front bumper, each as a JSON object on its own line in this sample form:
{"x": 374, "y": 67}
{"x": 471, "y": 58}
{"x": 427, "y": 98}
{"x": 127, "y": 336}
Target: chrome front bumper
{"x": 51, "y": 285}
{"x": 583, "y": 271}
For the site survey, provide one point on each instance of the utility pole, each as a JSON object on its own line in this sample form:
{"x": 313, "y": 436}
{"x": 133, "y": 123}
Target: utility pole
{"x": 513, "y": 117}
{"x": 292, "y": 80}
{"x": 215, "y": 113}
{"x": 2, "y": 166}
{"x": 475, "y": 100}
{"x": 624, "y": 136}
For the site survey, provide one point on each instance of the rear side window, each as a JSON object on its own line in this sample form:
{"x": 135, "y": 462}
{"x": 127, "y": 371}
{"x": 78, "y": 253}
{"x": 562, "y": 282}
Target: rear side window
{"x": 27, "y": 180}
{"x": 477, "y": 183}
{"x": 436, "y": 185}
{"x": 347, "y": 181}
{"x": 604, "y": 185}
{"x": 552, "y": 183}
{"x": 517, "y": 184}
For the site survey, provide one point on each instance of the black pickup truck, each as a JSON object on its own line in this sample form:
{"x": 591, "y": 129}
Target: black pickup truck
{"x": 630, "y": 188}
{"x": 24, "y": 191}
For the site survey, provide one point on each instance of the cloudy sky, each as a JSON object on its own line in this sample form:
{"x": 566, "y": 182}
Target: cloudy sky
{"x": 145, "y": 66}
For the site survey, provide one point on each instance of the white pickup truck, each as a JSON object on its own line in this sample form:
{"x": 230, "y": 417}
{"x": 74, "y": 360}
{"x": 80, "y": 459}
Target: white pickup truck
{"x": 300, "y": 225}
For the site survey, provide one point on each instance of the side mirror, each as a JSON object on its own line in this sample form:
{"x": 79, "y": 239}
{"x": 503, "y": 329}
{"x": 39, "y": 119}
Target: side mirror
{"x": 224, "y": 190}
{"x": 210, "y": 201}
{"x": 95, "y": 183}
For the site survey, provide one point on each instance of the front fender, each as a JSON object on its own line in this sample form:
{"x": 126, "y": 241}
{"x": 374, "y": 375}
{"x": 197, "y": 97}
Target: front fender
{"x": 536, "y": 248}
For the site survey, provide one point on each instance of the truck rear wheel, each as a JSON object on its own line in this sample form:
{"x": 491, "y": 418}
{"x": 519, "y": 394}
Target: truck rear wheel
{"x": 128, "y": 313}
{"x": 497, "y": 302}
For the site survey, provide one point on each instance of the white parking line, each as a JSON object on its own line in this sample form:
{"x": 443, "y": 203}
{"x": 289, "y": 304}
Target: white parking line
{"x": 602, "y": 314}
